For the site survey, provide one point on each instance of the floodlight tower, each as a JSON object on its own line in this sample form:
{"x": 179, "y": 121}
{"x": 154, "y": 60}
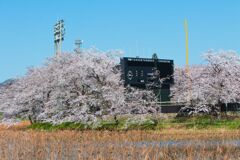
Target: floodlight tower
{"x": 59, "y": 32}
{"x": 78, "y": 44}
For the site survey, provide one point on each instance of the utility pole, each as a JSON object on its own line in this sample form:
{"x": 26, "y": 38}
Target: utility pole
{"x": 59, "y": 32}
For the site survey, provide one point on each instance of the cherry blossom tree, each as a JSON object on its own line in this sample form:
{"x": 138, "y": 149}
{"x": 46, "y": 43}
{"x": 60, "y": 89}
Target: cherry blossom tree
{"x": 75, "y": 87}
{"x": 213, "y": 84}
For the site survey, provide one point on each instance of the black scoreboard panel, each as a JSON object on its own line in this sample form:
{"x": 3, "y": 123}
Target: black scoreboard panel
{"x": 137, "y": 71}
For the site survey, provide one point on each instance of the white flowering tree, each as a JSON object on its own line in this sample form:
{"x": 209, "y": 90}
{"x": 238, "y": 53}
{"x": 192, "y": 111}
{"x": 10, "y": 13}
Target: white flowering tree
{"x": 216, "y": 83}
{"x": 75, "y": 87}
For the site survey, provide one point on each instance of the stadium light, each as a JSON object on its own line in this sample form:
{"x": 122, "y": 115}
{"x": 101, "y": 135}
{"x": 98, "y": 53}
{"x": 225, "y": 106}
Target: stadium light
{"x": 59, "y": 32}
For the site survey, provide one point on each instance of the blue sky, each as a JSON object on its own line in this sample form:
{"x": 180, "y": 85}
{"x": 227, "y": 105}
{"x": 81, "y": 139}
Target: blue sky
{"x": 138, "y": 27}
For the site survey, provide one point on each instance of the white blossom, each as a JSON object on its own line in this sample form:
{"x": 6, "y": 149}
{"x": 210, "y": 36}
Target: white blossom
{"x": 214, "y": 83}
{"x": 74, "y": 87}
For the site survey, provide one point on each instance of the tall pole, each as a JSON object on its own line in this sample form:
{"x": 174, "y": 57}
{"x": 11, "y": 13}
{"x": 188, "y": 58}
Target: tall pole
{"x": 187, "y": 60}
{"x": 186, "y": 35}
{"x": 61, "y": 35}
{"x": 59, "y": 32}
{"x": 60, "y": 39}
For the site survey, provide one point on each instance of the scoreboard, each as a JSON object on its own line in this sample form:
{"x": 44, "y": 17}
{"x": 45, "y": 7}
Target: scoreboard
{"x": 139, "y": 72}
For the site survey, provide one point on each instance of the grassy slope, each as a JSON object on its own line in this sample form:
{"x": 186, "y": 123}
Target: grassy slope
{"x": 205, "y": 122}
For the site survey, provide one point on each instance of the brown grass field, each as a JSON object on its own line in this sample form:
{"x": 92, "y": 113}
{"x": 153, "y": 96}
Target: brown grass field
{"x": 17, "y": 143}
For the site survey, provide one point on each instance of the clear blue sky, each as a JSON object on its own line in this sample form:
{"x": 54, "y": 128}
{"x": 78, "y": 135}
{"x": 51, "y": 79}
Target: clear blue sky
{"x": 138, "y": 27}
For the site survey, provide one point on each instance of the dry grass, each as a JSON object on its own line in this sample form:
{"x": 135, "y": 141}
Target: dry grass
{"x": 18, "y": 143}
{"x": 18, "y": 126}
